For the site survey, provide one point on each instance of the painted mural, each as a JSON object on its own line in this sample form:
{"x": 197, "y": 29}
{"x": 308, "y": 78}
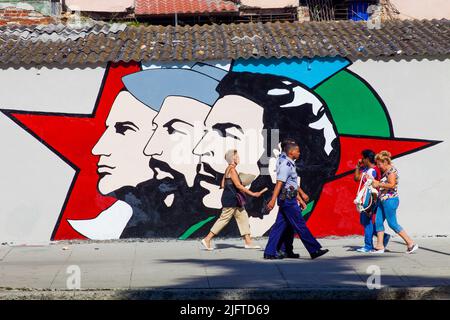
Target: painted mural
{"x": 150, "y": 158}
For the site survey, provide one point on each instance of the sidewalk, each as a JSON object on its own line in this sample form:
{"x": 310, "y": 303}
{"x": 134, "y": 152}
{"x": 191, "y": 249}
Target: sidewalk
{"x": 182, "y": 269}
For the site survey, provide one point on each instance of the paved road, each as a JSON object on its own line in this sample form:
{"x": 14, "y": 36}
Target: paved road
{"x": 184, "y": 265}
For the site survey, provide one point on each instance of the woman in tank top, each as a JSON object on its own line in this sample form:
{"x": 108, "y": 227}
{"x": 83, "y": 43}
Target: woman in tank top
{"x": 388, "y": 202}
{"x": 232, "y": 186}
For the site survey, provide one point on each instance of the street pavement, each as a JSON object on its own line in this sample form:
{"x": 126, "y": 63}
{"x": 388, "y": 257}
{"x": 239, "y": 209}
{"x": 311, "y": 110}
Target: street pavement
{"x": 183, "y": 269}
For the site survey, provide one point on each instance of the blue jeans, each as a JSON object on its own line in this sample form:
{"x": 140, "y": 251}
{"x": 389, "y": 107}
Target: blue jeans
{"x": 369, "y": 230}
{"x": 387, "y": 210}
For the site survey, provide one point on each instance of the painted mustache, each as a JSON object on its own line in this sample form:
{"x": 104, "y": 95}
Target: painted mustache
{"x": 103, "y": 170}
{"x": 207, "y": 174}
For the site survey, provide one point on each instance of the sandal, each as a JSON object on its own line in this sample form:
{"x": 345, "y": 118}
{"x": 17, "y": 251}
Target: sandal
{"x": 206, "y": 246}
{"x": 252, "y": 246}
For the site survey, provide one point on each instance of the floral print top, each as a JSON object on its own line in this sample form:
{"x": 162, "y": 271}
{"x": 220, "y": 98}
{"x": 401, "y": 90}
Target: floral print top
{"x": 389, "y": 193}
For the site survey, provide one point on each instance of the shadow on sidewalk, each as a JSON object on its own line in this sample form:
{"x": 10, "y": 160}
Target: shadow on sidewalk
{"x": 324, "y": 278}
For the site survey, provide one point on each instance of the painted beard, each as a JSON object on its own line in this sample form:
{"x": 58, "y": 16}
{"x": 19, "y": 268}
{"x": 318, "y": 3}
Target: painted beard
{"x": 207, "y": 174}
{"x": 152, "y": 215}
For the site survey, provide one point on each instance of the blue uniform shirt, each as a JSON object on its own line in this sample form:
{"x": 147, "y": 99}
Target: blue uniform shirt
{"x": 280, "y": 160}
{"x": 287, "y": 173}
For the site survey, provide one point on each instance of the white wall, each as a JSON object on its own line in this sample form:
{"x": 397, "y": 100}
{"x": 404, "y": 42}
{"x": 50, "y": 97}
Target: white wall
{"x": 422, "y": 9}
{"x": 100, "y": 5}
{"x": 33, "y": 180}
{"x": 270, "y": 3}
{"x": 417, "y": 95}
{"x": 48, "y": 89}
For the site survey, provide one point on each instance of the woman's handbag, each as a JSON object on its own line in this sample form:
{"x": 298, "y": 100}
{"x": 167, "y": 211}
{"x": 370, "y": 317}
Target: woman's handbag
{"x": 240, "y": 197}
{"x": 241, "y": 200}
{"x": 365, "y": 197}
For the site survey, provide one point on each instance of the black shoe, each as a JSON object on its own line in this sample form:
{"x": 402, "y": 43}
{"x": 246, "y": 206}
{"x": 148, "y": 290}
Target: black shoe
{"x": 319, "y": 253}
{"x": 290, "y": 255}
{"x": 273, "y": 257}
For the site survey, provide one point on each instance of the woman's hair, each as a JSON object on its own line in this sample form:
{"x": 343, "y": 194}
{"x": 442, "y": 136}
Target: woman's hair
{"x": 384, "y": 156}
{"x": 369, "y": 154}
{"x": 229, "y": 155}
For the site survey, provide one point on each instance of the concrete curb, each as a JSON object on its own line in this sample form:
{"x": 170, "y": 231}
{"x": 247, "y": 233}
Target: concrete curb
{"x": 417, "y": 293}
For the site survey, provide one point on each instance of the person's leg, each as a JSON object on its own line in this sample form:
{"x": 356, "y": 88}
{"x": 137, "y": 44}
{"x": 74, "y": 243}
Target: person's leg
{"x": 221, "y": 222}
{"x": 295, "y": 219}
{"x": 243, "y": 223}
{"x": 379, "y": 226}
{"x": 286, "y": 244}
{"x": 386, "y": 236}
{"x": 367, "y": 224}
{"x": 391, "y": 206}
{"x": 275, "y": 234}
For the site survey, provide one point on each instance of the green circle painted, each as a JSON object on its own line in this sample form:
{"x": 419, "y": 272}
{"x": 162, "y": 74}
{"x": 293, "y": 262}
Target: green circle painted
{"x": 354, "y": 106}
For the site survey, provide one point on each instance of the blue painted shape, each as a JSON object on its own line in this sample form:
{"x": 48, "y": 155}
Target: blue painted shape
{"x": 153, "y": 86}
{"x": 308, "y": 71}
{"x": 357, "y": 10}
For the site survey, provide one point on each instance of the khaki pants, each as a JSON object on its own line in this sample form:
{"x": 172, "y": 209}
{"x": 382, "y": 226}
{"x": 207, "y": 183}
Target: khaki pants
{"x": 239, "y": 214}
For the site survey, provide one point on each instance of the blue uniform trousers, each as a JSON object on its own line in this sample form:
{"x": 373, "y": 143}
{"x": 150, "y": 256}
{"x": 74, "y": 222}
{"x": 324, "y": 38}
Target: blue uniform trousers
{"x": 289, "y": 215}
{"x": 286, "y": 243}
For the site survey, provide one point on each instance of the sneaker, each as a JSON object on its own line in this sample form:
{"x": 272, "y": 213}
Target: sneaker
{"x": 377, "y": 251}
{"x": 386, "y": 239}
{"x": 412, "y": 249}
{"x": 206, "y": 246}
{"x": 364, "y": 250}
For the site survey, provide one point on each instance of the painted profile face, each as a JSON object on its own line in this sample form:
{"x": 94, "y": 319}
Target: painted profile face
{"x": 234, "y": 122}
{"x": 122, "y": 161}
{"x": 178, "y": 126}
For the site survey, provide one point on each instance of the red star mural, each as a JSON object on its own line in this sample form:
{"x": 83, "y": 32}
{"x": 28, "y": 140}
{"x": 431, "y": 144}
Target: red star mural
{"x": 72, "y": 138}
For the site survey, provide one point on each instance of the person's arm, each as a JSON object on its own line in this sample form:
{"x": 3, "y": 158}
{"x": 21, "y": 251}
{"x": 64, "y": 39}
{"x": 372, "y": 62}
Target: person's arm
{"x": 282, "y": 176}
{"x": 237, "y": 183}
{"x": 303, "y": 195}
{"x": 390, "y": 184}
{"x": 275, "y": 194}
{"x": 357, "y": 176}
{"x": 222, "y": 183}
{"x": 302, "y": 198}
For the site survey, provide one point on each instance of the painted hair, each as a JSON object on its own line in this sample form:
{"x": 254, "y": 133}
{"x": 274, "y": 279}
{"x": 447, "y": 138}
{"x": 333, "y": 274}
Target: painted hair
{"x": 384, "y": 156}
{"x": 287, "y": 112}
{"x": 229, "y": 155}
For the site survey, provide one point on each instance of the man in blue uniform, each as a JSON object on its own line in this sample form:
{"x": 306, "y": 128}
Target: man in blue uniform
{"x": 286, "y": 192}
{"x": 286, "y": 244}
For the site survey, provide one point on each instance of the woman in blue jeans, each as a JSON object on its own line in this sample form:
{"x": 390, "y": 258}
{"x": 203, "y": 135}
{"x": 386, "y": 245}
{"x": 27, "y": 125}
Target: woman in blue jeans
{"x": 367, "y": 169}
{"x": 388, "y": 203}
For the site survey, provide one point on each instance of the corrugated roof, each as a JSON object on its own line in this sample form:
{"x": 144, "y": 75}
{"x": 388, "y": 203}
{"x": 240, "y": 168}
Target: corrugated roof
{"x": 102, "y": 42}
{"x": 168, "y": 7}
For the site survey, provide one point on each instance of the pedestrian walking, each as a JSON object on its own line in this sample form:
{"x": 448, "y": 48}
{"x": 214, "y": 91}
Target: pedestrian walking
{"x": 233, "y": 203}
{"x": 388, "y": 203}
{"x": 367, "y": 169}
{"x": 289, "y": 214}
